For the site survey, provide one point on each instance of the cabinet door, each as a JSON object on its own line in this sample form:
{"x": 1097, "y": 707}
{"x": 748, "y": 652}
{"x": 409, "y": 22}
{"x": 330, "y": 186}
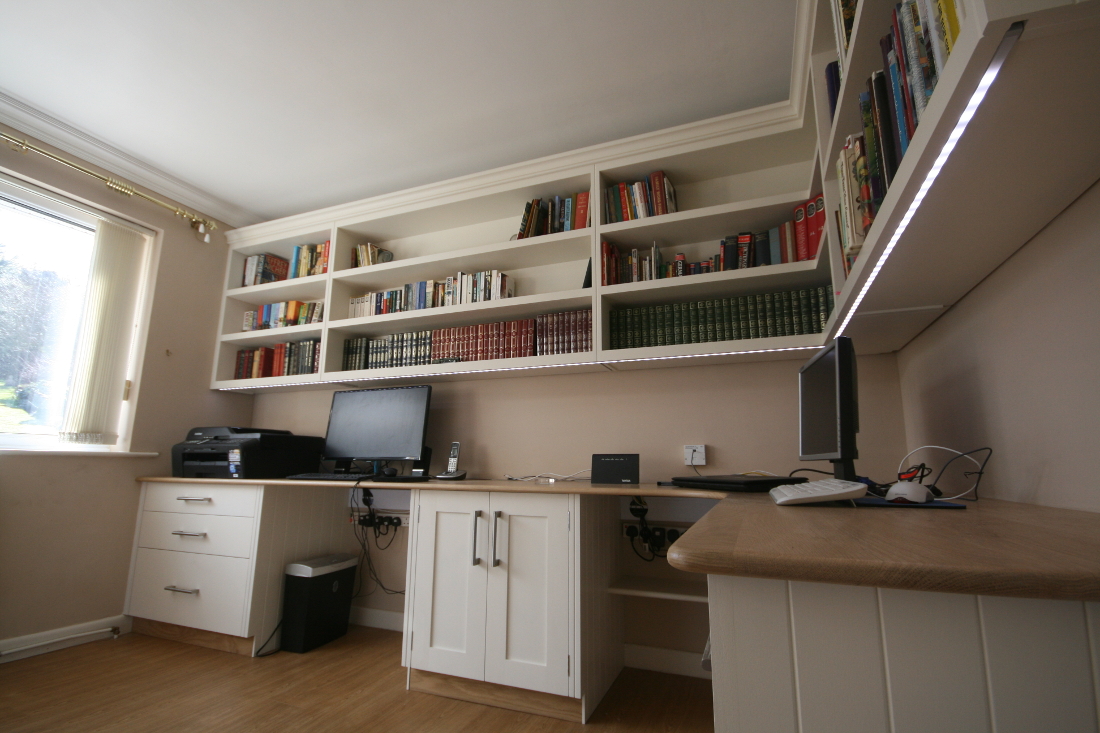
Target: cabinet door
{"x": 449, "y": 596}
{"x": 527, "y": 599}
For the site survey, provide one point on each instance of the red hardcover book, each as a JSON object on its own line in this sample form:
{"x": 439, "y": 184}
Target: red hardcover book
{"x": 551, "y": 334}
{"x": 276, "y": 268}
{"x": 530, "y": 337}
{"x": 657, "y": 183}
{"x": 801, "y": 236}
{"x": 267, "y": 361}
{"x": 624, "y": 202}
{"x": 811, "y": 229}
{"x": 580, "y": 218}
{"x": 540, "y": 334}
{"x": 818, "y": 223}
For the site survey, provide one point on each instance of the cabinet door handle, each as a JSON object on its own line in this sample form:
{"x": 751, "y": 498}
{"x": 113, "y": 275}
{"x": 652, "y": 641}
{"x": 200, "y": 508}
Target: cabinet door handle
{"x": 496, "y": 531}
{"x": 192, "y": 498}
{"x": 174, "y": 589}
{"x": 189, "y": 534}
{"x": 477, "y": 515}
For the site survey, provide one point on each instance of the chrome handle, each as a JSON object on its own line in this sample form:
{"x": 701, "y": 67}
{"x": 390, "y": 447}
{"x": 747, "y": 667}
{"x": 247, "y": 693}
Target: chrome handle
{"x": 174, "y": 589}
{"x": 192, "y": 498}
{"x": 496, "y": 531}
{"x": 189, "y": 534}
{"x": 477, "y": 515}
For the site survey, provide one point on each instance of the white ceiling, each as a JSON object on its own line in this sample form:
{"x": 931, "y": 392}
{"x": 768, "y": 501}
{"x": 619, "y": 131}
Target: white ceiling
{"x": 275, "y": 108}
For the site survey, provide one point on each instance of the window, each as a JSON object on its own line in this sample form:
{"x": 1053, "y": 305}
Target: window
{"x": 70, "y": 281}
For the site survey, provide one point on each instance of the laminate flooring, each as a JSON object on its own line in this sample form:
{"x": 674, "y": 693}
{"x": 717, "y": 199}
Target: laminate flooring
{"x": 140, "y": 683}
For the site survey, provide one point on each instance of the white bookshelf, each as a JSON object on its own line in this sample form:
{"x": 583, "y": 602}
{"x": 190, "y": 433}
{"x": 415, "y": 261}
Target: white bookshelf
{"x": 743, "y": 171}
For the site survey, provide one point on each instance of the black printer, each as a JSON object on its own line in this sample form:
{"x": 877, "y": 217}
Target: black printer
{"x": 246, "y": 453}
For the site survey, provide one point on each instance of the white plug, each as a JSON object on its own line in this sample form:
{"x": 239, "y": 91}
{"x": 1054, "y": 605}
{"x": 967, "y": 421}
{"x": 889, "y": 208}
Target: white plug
{"x": 695, "y": 455}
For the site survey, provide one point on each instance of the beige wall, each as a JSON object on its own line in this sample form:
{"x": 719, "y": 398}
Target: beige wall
{"x": 1016, "y": 365}
{"x": 746, "y": 415}
{"x": 67, "y": 523}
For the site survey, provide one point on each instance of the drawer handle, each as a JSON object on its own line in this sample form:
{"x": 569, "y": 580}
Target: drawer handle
{"x": 192, "y": 498}
{"x": 496, "y": 531}
{"x": 174, "y": 589}
{"x": 477, "y": 560}
{"x": 189, "y": 534}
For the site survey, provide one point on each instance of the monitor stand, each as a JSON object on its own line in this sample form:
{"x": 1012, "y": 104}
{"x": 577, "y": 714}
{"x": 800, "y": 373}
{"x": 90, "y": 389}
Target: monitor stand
{"x": 844, "y": 469}
{"x": 346, "y": 467}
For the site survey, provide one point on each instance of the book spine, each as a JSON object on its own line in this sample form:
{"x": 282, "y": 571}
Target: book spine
{"x": 581, "y": 219}
{"x": 761, "y": 249}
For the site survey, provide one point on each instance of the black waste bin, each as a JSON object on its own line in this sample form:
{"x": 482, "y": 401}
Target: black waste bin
{"x": 317, "y": 601}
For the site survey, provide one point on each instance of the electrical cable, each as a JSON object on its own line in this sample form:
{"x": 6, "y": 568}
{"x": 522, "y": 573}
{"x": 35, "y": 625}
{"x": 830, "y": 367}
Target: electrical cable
{"x": 968, "y": 474}
{"x": 814, "y": 470}
{"x": 273, "y": 651}
{"x": 921, "y": 471}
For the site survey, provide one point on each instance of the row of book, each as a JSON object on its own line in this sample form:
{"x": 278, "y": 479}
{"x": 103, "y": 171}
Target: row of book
{"x": 465, "y": 287}
{"x": 292, "y": 357}
{"x": 369, "y": 254}
{"x": 784, "y": 313}
{"x": 278, "y": 315}
{"x": 796, "y": 240}
{"x": 307, "y": 259}
{"x": 938, "y": 19}
{"x": 652, "y": 196}
{"x": 917, "y": 44}
{"x": 568, "y": 332}
{"x": 553, "y": 215}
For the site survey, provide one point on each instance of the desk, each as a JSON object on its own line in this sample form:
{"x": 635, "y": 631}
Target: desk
{"x": 833, "y": 618}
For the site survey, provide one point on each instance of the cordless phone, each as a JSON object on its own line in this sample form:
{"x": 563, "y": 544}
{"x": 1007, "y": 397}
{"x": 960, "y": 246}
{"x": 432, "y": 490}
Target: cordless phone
{"x": 452, "y": 472}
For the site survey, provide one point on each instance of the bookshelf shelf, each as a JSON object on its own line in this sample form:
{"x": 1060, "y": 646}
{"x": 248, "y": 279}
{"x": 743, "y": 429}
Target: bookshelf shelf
{"x": 499, "y": 366}
{"x": 268, "y": 336}
{"x": 713, "y": 348}
{"x": 299, "y": 288}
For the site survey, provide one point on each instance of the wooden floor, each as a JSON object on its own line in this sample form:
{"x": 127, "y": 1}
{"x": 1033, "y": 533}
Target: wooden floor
{"x": 139, "y": 683}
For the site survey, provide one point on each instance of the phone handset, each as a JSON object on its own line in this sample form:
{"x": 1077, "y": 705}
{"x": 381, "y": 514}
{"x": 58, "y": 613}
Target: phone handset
{"x": 452, "y": 473}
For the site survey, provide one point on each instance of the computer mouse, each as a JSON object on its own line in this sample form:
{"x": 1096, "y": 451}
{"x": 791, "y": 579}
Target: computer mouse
{"x": 389, "y": 471}
{"x": 909, "y": 492}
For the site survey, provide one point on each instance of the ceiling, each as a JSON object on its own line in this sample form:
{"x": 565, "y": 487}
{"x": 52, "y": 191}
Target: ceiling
{"x": 265, "y": 109}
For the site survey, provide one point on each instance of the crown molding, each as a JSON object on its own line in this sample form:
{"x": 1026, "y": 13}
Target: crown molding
{"x": 34, "y": 122}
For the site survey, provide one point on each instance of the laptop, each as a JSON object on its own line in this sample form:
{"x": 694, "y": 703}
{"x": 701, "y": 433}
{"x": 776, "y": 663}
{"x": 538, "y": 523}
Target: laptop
{"x": 735, "y": 482}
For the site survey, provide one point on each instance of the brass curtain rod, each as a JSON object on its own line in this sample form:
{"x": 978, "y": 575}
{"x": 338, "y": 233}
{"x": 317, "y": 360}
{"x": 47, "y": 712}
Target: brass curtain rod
{"x": 112, "y": 183}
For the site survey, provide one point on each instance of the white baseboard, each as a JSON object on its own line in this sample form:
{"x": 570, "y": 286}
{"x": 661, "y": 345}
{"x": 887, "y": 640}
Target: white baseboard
{"x": 664, "y": 660}
{"x": 392, "y": 620}
{"x": 47, "y": 638}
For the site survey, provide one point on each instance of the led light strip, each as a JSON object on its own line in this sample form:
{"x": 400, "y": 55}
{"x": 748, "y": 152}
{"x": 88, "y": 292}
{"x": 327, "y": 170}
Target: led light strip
{"x": 995, "y": 64}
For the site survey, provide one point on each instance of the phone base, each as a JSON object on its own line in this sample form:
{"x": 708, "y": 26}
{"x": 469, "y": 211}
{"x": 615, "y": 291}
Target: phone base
{"x": 452, "y": 476}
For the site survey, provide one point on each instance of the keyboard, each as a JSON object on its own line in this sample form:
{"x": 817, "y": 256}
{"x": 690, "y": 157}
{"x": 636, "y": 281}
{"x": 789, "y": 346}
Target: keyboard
{"x": 331, "y": 476}
{"x": 828, "y": 489}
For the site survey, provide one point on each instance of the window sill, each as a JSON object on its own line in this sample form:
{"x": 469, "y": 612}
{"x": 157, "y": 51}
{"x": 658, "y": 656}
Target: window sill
{"x": 86, "y": 452}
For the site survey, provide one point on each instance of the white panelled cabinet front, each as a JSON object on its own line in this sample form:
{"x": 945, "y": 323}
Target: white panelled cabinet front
{"x": 492, "y": 589}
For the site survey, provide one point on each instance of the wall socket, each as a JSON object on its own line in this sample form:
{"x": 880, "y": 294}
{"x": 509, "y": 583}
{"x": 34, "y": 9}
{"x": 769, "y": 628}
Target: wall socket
{"x": 700, "y": 455}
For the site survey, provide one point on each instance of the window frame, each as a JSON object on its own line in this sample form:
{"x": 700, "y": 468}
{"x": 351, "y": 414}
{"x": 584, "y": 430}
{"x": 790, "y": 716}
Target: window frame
{"x": 66, "y": 206}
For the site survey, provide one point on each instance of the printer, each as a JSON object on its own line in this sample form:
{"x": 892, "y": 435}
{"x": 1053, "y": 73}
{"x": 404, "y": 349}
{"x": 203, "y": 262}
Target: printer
{"x": 245, "y": 453}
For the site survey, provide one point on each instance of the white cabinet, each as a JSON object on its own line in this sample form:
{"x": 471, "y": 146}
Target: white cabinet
{"x": 492, "y": 588}
{"x": 511, "y": 589}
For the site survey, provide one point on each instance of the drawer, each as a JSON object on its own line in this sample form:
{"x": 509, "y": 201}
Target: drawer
{"x": 209, "y": 534}
{"x": 205, "y": 499}
{"x": 219, "y": 584}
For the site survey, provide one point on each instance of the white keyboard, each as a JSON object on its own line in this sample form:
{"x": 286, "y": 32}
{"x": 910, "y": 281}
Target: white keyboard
{"x": 827, "y": 489}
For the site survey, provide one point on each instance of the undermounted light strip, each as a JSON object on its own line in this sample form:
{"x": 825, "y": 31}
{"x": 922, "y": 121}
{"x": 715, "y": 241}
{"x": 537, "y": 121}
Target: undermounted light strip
{"x": 995, "y": 64}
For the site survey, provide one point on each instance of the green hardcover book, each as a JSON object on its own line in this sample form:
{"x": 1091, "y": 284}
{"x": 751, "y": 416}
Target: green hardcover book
{"x": 829, "y": 298}
{"x": 727, "y": 319}
{"x": 804, "y": 309}
{"x": 613, "y": 328}
{"x": 823, "y": 306}
{"x": 754, "y": 324}
{"x": 788, "y": 325}
{"x": 743, "y": 317}
{"x": 625, "y": 337}
{"x": 646, "y": 334}
{"x": 796, "y": 313}
{"x": 677, "y": 323}
{"x": 693, "y": 320}
{"x": 769, "y": 311}
{"x": 813, "y": 315}
{"x": 654, "y": 314}
{"x": 711, "y": 321}
{"x": 669, "y": 335}
{"x": 636, "y": 328}
{"x": 761, "y": 317}
{"x": 735, "y": 320}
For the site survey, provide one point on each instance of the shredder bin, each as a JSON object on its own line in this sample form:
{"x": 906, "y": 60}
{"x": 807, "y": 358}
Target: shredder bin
{"x": 317, "y": 601}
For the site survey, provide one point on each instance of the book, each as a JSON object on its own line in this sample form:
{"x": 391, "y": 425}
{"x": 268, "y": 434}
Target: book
{"x": 801, "y": 234}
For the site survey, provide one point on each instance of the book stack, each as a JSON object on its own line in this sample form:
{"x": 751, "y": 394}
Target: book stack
{"x": 292, "y": 357}
{"x": 844, "y": 16}
{"x": 265, "y": 268}
{"x": 552, "y": 333}
{"x": 785, "y": 313}
{"x": 465, "y": 287}
{"x": 368, "y": 254}
{"x": 652, "y": 196}
{"x": 796, "y": 240}
{"x": 553, "y": 215}
{"x": 914, "y": 50}
{"x": 278, "y": 315}
{"x": 309, "y": 259}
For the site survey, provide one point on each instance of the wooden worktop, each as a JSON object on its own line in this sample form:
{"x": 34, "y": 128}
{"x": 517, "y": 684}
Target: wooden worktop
{"x": 992, "y": 547}
{"x": 518, "y": 487}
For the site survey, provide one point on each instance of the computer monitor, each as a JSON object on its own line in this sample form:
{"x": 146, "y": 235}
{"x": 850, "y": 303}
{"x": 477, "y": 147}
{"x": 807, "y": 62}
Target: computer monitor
{"x": 385, "y": 424}
{"x": 828, "y": 411}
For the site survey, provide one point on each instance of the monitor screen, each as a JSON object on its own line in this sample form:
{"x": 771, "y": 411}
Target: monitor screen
{"x": 378, "y": 424}
{"x": 828, "y": 411}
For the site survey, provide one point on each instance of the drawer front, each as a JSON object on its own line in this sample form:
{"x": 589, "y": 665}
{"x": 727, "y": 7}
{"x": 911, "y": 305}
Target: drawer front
{"x": 219, "y": 584}
{"x": 202, "y": 499}
{"x": 209, "y": 534}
